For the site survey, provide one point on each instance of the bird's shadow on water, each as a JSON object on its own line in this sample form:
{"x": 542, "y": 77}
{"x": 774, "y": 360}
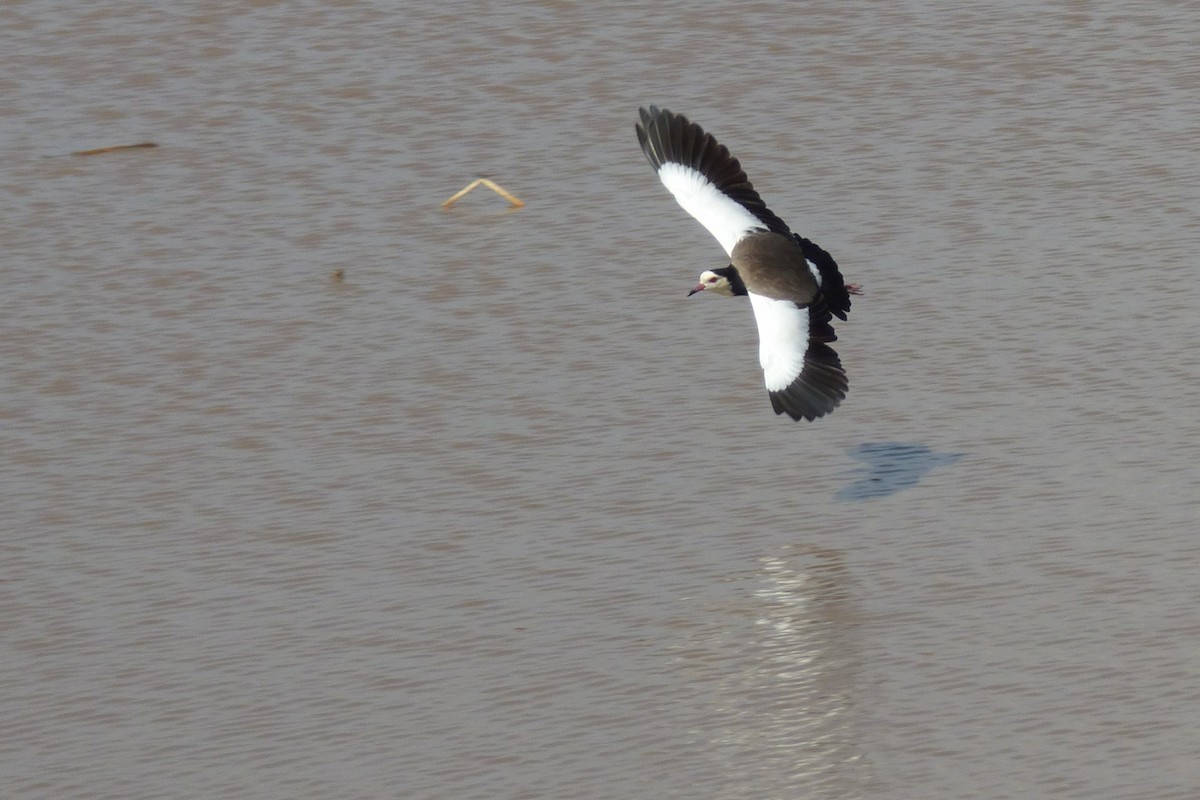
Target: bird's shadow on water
{"x": 891, "y": 467}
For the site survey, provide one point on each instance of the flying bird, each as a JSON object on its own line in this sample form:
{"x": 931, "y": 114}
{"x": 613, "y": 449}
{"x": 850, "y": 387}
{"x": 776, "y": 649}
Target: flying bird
{"x": 795, "y": 287}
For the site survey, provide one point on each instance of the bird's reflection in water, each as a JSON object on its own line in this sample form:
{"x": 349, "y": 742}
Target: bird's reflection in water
{"x": 892, "y": 467}
{"x": 785, "y": 699}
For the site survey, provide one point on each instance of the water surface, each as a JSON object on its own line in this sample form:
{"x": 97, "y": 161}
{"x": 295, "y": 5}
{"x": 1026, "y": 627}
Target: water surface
{"x": 503, "y": 513}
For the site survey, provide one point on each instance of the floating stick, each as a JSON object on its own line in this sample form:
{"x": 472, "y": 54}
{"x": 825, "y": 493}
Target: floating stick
{"x": 495, "y": 187}
{"x": 113, "y": 149}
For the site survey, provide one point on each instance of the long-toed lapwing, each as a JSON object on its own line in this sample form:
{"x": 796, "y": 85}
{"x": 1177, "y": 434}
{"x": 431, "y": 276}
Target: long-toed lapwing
{"x": 794, "y": 286}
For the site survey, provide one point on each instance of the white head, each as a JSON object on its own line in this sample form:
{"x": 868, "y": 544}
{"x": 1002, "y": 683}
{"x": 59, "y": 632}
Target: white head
{"x": 724, "y": 281}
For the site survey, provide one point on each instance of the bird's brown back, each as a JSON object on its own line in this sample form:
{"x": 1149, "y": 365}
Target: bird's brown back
{"x": 773, "y": 265}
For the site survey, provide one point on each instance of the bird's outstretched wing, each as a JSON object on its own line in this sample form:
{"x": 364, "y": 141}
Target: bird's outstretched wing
{"x": 803, "y": 374}
{"x": 706, "y": 180}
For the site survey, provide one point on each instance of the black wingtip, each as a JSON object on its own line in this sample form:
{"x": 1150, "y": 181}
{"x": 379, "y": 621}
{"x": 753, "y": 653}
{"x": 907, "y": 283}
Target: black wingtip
{"x": 667, "y": 137}
{"x": 817, "y": 390}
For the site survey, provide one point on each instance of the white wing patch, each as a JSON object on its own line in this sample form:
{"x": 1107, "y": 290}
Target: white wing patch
{"x": 726, "y": 219}
{"x": 782, "y": 340}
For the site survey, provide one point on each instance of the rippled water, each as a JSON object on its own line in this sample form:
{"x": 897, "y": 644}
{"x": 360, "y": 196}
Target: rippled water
{"x": 502, "y": 513}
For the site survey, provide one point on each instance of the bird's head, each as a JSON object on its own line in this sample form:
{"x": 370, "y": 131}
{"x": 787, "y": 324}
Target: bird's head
{"x": 724, "y": 281}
